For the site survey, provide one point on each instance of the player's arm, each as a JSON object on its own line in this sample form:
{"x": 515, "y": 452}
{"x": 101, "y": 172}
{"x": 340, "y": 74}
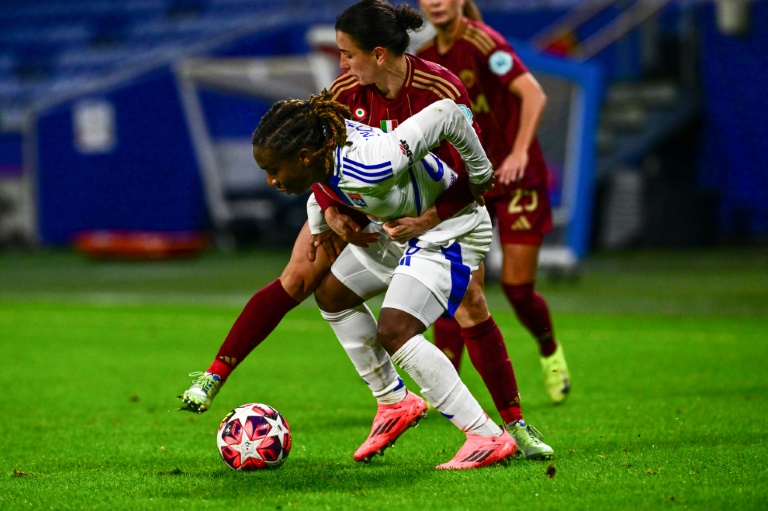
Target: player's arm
{"x": 347, "y": 228}
{"x": 450, "y": 202}
{"x": 346, "y": 223}
{"x": 533, "y": 100}
{"x": 322, "y": 235}
{"x": 442, "y": 120}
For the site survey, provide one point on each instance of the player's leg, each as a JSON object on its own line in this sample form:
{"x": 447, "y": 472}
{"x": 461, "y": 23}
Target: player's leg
{"x": 259, "y": 318}
{"x": 488, "y": 353}
{"x": 340, "y": 297}
{"x": 518, "y": 279}
{"x": 487, "y": 350}
{"x": 523, "y": 217}
{"x": 355, "y": 326}
{"x": 408, "y": 308}
{"x": 448, "y": 339}
{"x": 448, "y": 333}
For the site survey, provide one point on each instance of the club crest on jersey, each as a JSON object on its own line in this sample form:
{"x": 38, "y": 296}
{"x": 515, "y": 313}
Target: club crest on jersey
{"x": 467, "y": 78}
{"x": 360, "y": 113}
{"x": 357, "y": 199}
{"x": 387, "y": 126}
{"x": 500, "y": 62}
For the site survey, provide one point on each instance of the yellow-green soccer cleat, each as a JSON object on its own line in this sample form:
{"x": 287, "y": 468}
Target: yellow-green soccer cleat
{"x": 556, "y": 377}
{"x": 199, "y": 396}
{"x": 529, "y": 443}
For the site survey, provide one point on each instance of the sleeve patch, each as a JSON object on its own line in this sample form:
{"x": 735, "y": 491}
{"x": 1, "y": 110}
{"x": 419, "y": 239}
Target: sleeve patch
{"x": 466, "y": 111}
{"x": 500, "y": 62}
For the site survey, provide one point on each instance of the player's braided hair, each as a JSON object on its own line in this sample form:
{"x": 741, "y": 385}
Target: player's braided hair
{"x": 293, "y": 124}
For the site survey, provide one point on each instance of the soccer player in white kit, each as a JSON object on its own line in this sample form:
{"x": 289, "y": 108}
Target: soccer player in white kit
{"x": 387, "y": 176}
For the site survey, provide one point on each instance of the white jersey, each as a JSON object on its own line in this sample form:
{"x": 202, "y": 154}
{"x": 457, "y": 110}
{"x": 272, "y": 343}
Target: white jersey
{"x": 390, "y": 175}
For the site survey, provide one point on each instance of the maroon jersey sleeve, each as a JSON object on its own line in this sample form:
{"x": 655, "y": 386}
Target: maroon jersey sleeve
{"x": 502, "y": 61}
{"x": 455, "y": 198}
{"x": 458, "y": 196}
{"x": 326, "y": 201}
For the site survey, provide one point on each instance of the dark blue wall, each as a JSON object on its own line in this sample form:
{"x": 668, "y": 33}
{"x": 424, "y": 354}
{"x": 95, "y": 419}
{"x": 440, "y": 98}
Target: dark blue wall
{"x": 734, "y": 153}
{"x": 149, "y": 181}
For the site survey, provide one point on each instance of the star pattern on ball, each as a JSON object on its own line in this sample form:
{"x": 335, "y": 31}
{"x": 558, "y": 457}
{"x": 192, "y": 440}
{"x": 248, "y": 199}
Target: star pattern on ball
{"x": 249, "y": 449}
{"x": 276, "y": 428}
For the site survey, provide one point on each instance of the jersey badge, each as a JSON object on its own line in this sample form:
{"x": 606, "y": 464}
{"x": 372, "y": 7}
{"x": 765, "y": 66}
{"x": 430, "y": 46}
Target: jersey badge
{"x": 357, "y": 199}
{"x": 500, "y": 62}
{"x": 388, "y": 126}
{"x": 467, "y": 78}
{"x": 466, "y": 111}
{"x": 361, "y": 113}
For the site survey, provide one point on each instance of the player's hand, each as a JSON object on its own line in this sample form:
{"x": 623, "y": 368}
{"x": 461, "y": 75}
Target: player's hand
{"x": 331, "y": 243}
{"x": 406, "y": 228}
{"x": 347, "y": 229}
{"x": 478, "y": 190}
{"x": 512, "y": 169}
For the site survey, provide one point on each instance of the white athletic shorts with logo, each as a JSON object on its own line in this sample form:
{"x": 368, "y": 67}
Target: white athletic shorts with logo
{"x": 437, "y": 263}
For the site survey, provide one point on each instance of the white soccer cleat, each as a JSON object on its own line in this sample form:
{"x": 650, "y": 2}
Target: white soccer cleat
{"x": 199, "y": 396}
{"x": 529, "y": 441}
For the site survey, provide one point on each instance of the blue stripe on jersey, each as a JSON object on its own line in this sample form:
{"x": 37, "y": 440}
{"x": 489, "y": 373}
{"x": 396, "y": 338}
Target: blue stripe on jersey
{"x": 459, "y": 277}
{"x": 368, "y": 173}
{"x": 333, "y": 184}
{"x": 435, "y": 173}
{"x": 338, "y": 161}
{"x": 363, "y": 166}
{"x": 368, "y": 178}
{"x": 416, "y": 193}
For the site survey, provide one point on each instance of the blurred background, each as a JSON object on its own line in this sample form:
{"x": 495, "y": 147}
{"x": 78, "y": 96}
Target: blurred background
{"x": 125, "y": 124}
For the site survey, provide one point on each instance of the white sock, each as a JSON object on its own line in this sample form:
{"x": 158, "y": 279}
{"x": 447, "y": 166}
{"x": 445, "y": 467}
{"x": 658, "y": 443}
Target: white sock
{"x": 441, "y": 385}
{"x": 356, "y": 331}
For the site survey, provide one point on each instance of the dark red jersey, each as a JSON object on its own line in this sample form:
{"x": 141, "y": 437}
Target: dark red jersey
{"x": 486, "y": 64}
{"x": 425, "y": 83}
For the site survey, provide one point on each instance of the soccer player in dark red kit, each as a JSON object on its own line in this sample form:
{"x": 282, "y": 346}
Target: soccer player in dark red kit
{"x": 382, "y": 86}
{"x": 508, "y": 103}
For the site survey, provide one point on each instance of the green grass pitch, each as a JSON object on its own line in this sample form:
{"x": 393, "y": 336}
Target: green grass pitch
{"x": 667, "y": 352}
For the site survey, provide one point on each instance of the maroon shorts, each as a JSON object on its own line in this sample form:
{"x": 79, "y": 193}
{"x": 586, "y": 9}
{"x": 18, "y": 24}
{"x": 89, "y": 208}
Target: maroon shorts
{"x": 523, "y": 215}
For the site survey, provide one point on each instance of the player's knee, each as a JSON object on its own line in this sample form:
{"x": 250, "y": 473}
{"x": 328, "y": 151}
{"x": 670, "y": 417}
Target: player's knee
{"x": 327, "y": 301}
{"x": 519, "y": 294}
{"x": 391, "y": 337}
{"x": 393, "y": 334}
{"x": 301, "y": 279}
{"x": 473, "y": 309}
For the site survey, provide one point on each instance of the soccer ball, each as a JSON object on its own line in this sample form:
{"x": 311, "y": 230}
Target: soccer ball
{"x": 252, "y": 437}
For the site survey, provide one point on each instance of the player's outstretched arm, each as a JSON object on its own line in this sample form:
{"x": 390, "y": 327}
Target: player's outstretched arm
{"x": 444, "y": 120}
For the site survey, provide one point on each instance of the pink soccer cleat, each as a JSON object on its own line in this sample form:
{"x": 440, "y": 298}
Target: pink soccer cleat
{"x": 481, "y": 451}
{"x": 390, "y": 422}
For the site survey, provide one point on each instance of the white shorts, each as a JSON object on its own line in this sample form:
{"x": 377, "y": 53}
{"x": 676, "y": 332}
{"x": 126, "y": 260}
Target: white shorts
{"x": 442, "y": 260}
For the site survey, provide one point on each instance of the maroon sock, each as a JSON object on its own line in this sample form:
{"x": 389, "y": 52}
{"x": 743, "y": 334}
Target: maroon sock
{"x": 261, "y": 315}
{"x": 488, "y": 353}
{"x": 532, "y": 311}
{"x": 449, "y": 340}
